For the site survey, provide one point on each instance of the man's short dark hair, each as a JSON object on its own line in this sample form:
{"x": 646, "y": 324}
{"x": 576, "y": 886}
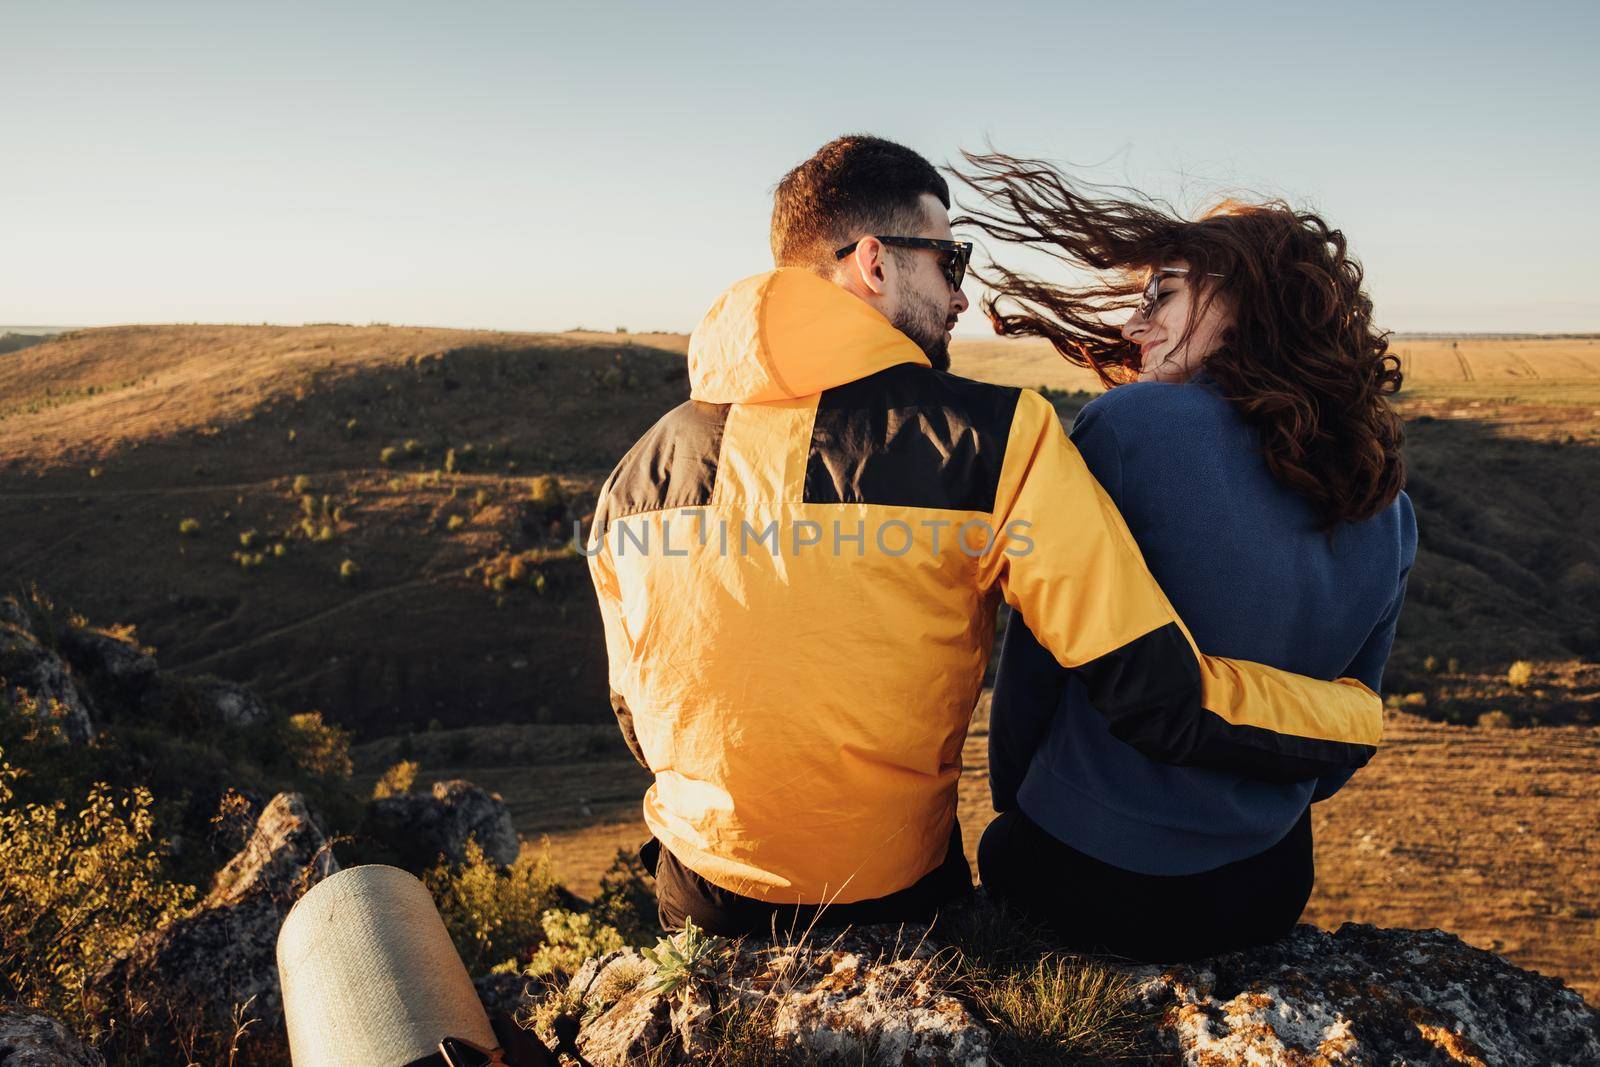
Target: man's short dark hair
{"x": 853, "y": 186}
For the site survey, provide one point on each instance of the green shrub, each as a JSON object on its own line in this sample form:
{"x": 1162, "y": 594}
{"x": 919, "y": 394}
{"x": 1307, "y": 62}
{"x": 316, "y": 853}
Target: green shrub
{"x": 279, "y": 549}
{"x": 480, "y": 498}
{"x": 249, "y": 561}
{"x": 397, "y": 780}
{"x": 569, "y": 938}
{"x": 76, "y": 889}
{"x": 493, "y": 914}
{"x": 325, "y": 532}
{"x": 388, "y": 456}
{"x": 1520, "y": 674}
{"x": 414, "y": 447}
{"x": 455, "y": 522}
{"x": 545, "y": 493}
{"x": 352, "y": 428}
{"x": 450, "y": 461}
{"x": 318, "y": 748}
{"x": 302, "y": 484}
{"x": 626, "y": 903}
{"x": 189, "y": 527}
{"x": 349, "y": 571}
{"x": 247, "y": 539}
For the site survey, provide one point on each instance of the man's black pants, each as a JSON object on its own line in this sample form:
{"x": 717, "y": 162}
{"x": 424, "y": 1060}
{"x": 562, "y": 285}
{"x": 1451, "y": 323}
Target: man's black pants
{"x": 1090, "y": 906}
{"x": 681, "y": 894}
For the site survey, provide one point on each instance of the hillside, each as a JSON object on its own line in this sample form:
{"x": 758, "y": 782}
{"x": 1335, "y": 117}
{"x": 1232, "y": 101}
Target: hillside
{"x": 463, "y": 606}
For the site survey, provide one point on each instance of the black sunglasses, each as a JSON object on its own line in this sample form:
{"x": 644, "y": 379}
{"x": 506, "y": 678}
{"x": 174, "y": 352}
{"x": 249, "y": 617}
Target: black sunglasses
{"x": 953, "y": 259}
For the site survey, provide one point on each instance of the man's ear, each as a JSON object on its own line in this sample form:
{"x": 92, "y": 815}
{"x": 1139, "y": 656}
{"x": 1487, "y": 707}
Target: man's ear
{"x": 868, "y": 263}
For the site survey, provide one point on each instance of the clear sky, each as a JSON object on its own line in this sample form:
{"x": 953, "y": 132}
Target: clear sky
{"x": 544, "y": 166}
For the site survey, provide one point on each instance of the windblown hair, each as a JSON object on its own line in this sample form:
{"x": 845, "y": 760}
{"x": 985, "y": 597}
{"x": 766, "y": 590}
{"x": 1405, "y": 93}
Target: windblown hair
{"x": 853, "y": 186}
{"x": 1302, "y": 361}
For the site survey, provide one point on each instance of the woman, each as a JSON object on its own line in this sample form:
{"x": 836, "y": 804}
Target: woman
{"x": 1249, "y": 444}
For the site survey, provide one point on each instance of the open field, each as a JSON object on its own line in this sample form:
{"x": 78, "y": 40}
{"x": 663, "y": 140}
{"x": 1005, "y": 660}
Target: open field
{"x": 1544, "y": 369}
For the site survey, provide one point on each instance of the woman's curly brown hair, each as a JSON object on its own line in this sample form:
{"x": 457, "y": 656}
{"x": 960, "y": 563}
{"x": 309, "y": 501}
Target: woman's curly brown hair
{"x": 1302, "y": 360}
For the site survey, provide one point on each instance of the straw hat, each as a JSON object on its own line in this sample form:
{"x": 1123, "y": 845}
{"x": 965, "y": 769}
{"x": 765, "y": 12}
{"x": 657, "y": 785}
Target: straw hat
{"x": 369, "y": 976}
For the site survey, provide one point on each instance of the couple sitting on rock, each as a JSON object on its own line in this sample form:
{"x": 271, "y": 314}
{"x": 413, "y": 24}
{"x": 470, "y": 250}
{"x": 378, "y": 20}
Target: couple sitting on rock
{"x": 799, "y": 568}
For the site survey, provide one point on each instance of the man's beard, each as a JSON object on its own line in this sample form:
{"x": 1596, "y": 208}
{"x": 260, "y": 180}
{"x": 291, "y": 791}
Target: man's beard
{"x": 923, "y": 321}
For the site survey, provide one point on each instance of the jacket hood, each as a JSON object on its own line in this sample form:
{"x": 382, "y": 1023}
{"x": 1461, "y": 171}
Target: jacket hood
{"x": 786, "y": 334}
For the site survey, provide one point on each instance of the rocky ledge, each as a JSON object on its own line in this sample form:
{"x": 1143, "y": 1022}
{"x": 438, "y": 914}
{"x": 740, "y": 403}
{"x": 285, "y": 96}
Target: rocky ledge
{"x": 1363, "y": 995}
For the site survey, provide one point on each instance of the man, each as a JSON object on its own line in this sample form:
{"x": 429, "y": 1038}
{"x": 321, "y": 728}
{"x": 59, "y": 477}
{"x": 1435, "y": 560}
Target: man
{"x": 798, "y": 571}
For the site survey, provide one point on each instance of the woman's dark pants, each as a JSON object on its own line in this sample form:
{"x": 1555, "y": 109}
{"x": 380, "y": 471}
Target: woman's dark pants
{"x": 1090, "y": 906}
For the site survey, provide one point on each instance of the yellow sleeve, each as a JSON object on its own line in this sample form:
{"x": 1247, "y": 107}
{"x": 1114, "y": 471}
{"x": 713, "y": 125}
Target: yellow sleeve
{"x": 1064, "y": 558}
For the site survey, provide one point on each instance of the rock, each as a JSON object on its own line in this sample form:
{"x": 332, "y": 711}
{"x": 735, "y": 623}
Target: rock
{"x": 31, "y": 1039}
{"x": 1363, "y": 995}
{"x": 30, "y": 669}
{"x": 507, "y": 993}
{"x": 12, "y": 611}
{"x": 231, "y": 703}
{"x": 1366, "y": 995}
{"x": 419, "y": 828}
{"x": 202, "y": 967}
{"x": 121, "y": 660}
{"x": 867, "y": 995}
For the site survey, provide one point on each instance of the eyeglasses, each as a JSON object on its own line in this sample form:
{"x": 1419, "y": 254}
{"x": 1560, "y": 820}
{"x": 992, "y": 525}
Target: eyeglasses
{"x": 953, "y": 259}
{"x": 1152, "y": 291}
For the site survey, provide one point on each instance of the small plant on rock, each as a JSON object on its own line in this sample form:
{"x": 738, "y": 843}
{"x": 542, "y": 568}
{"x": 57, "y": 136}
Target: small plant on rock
{"x": 685, "y": 959}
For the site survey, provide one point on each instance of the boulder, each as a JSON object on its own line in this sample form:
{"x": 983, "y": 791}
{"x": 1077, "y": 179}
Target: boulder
{"x": 421, "y": 827}
{"x": 32, "y": 1039}
{"x": 221, "y": 958}
{"x": 28, "y": 668}
{"x": 118, "y": 658}
{"x": 1366, "y": 995}
{"x": 230, "y": 703}
{"x": 866, "y": 995}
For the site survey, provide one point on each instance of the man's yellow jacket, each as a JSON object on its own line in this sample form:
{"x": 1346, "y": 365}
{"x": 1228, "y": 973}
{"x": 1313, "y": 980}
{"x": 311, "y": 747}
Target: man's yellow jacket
{"x": 798, "y": 570}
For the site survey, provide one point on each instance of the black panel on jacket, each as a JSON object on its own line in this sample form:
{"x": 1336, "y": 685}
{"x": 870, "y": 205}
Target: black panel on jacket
{"x": 674, "y": 465}
{"x": 910, "y": 436}
{"x": 1149, "y": 690}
